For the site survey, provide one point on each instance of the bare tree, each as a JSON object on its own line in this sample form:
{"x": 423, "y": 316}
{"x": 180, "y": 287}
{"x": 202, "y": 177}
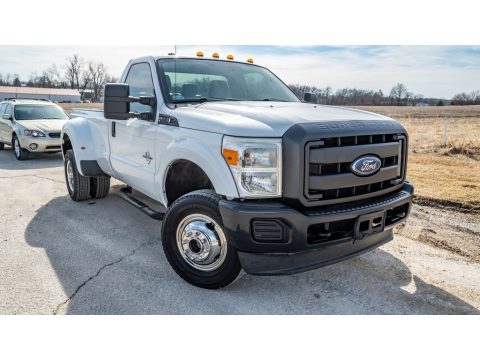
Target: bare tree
{"x": 73, "y": 69}
{"x": 16, "y": 80}
{"x": 398, "y": 93}
{"x": 98, "y": 76}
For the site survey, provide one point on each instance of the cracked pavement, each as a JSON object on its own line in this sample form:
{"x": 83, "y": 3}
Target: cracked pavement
{"x": 105, "y": 257}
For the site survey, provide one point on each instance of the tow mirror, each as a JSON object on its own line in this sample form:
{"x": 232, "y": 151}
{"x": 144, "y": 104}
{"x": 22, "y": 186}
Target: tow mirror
{"x": 310, "y": 98}
{"x": 117, "y": 103}
{"x": 7, "y": 117}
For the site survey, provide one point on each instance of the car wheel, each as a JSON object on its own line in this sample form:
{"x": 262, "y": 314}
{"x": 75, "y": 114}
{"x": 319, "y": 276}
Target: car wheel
{"x": 2, "y": 146}
{"x": 78, "y": 186}
{"x": 99, "y": 186}
{"x": 20, "y": 154}
{"x": 195, "y": 243}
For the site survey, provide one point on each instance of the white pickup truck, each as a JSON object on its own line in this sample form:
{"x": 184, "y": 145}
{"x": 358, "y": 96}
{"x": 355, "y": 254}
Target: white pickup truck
{"x": 250, "y": 176}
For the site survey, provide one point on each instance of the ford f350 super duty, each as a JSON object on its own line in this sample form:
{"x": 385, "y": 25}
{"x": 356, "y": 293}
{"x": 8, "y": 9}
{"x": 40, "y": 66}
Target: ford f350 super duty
{"x": 249, "y": 176}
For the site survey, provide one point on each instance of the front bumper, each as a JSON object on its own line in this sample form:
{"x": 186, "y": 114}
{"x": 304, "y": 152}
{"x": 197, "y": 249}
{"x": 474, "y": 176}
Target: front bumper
{"x": 275, "y": 239}
{"x": 44, "y": 144}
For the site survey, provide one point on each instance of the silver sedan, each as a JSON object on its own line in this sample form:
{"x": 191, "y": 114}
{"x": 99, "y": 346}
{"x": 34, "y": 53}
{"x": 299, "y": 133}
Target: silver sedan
{"x": 31, "y": 126}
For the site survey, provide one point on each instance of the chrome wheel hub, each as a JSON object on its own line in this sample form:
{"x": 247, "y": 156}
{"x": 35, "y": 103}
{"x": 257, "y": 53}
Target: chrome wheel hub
{"x": 201, "y": 242}
{"x": 70, "y": 178}
{"x": 16, "y": 146}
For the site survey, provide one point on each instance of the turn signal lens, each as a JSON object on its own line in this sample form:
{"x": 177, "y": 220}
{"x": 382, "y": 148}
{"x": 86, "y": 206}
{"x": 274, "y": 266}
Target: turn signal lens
{"x": 230, "y": 57}
{"x": 231, "y": 157}
{"x": 215, "y": 55}
{"x": 200, "y": 53}
{"x": 250, "y": 60}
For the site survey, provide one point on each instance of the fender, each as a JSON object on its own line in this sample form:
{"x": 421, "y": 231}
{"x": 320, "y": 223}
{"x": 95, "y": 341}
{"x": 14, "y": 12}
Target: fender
{"x": 201, "y": 148}
{"x": 89, "y": 141}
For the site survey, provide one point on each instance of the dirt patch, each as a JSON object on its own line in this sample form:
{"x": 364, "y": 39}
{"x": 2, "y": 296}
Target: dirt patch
{"x": 444, "y": 228}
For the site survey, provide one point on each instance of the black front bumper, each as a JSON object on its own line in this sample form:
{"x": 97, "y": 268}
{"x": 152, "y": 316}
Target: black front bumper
{"x": 289, "y": 244}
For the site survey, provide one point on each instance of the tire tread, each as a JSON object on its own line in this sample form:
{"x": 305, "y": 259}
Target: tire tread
{"x": 81, "y": 184}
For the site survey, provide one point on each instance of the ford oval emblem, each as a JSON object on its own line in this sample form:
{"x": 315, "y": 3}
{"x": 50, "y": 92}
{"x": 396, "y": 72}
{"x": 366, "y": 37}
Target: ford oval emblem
{"x": 366, "y": 165}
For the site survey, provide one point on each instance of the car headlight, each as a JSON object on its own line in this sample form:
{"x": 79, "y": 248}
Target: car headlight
{"x": 256, "y": 165}
{"x": 34, "y": 133}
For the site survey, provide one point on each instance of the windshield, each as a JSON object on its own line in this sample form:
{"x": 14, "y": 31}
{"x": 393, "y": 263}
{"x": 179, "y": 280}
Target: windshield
{"x": 35, "y": 112}
{"x": 189, "y": 80}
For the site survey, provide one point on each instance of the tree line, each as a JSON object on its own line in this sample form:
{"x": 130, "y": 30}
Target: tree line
{"x": 75, "y": 73}
{"x": 466, "y": 99}
{"x": 399, "y": 95}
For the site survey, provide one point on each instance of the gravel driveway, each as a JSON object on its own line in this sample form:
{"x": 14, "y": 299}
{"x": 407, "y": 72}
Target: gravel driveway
{"x": 105, "y": 257}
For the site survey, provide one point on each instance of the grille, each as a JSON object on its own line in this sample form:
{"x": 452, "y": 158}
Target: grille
{"x": 54, "y": 135}
{"x": 328, "y": 166}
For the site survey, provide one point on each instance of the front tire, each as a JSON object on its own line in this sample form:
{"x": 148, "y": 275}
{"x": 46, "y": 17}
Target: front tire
{"x": 78, "y": 186}
{"x": 20, "y": 154}
{"x": 2, "y": 145}
{"x": 195, "y": 244}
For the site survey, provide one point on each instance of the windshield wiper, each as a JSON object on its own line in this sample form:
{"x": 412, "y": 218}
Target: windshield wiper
{"x": 272, "y": 99}
{"x": 202, "y": 100}
{"x": 199, "y": 100}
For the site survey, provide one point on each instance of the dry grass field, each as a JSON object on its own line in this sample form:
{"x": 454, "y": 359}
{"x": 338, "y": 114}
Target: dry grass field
{"x": 444, "y": 158}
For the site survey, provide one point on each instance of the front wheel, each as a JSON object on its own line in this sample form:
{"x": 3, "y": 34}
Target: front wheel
{"x": 195, "y": 244}
{"x": 78, "y": 186}
{"x": 20, "y": 154}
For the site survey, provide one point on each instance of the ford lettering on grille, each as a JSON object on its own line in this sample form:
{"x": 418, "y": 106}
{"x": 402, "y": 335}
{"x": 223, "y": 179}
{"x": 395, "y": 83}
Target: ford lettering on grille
{"x": 366, "y": 165}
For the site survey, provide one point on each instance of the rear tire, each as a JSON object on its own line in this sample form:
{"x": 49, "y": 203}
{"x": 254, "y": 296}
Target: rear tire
{"x": 99, "y": 187}
{"x": 78, "y": 186}
{"x": 20, "y": 154}
{"x": 195, "y": 244}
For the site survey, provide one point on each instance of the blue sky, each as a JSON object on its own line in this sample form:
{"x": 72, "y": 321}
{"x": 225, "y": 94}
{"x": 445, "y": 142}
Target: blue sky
{"x": 438, "y": 71}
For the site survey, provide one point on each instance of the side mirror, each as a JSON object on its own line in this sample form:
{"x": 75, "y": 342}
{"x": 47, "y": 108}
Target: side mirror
{"x": 117, "y": 103}
{"x": 310, "y": 98}
{"x": 7, "y": 117}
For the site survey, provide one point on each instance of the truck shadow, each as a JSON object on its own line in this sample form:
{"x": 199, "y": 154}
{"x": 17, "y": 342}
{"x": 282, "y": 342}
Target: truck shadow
{"x": 109, "y": 260}
{"x": 36, "y": 161}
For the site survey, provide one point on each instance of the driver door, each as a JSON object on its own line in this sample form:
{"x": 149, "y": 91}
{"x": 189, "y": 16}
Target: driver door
{"x": 132, "y": 141}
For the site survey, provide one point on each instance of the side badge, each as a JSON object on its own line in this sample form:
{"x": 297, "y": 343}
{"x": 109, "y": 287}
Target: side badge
{"x": 147, "y": 157}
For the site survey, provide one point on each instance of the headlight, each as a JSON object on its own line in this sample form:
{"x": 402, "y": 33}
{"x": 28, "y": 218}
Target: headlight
{"x": 34, "y": 133}
{"x": 256, "y": 165}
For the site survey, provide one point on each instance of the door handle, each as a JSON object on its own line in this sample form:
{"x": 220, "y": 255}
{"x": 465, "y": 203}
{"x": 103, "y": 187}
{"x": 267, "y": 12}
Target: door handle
{"x": 113, "y": 128}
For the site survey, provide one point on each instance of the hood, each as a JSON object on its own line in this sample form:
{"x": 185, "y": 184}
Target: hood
{"x": 44, "y": 126}
{"x": 262, "y": 119}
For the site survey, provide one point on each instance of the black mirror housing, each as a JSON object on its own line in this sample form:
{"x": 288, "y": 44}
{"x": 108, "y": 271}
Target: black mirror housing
{"x": 116, "y": 103}
{"x": 310, "y": 98}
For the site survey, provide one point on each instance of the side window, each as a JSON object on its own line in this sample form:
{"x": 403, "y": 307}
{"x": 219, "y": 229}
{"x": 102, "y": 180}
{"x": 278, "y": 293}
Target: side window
{"x": 9, "y": 109}
{"x": 141, "y": 84}
{"x": 2, "y": 109}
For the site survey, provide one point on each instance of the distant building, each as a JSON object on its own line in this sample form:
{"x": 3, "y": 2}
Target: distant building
{"x": 57, "y": 95}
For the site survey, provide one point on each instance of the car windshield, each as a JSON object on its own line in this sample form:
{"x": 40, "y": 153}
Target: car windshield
{"x": 35, "y": 112}
{"x": 197, "y": 80}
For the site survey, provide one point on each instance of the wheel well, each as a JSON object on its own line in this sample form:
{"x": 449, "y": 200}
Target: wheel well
{"x": 183, "y": 177}
{"x": 66, "y": 145}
